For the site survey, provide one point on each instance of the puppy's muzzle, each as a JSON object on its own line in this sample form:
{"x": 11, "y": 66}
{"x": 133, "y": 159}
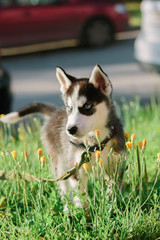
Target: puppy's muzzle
{"x": 72, "y": 130}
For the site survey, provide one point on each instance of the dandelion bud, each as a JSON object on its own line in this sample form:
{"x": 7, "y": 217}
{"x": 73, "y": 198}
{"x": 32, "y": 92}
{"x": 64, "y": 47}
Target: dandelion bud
{"x": 14, "y": 154}
{"x": 2, "y": 153}
{"x": 43, "y": 161}
{"x": 13, "y": 139}
{"x": 144, "y": 142}
{"x": 158, "y": 157}
{"x": 39, "y": 152}
{"x": 132, "y": 138}
{"x": 76, "y": 164}
{"x": 126, "y": 135}
{"x": 86, "y": 143}
{"x": 26, "y": 155}
{"x": 140, "y": 145}
{"x": 100, "y": 161}
{"x": 85, "y": 166}
{"x": 97, "y": 133}
{"x": 128, "y": 145}
{"x": 114, "y": 143}
{"x": 97, "y": 154}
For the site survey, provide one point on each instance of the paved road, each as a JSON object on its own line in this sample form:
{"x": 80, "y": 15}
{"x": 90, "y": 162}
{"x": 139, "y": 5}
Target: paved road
{"x": 34, "y": 76}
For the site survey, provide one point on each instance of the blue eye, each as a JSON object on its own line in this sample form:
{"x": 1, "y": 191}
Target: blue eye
{"x": 87, "y": 106}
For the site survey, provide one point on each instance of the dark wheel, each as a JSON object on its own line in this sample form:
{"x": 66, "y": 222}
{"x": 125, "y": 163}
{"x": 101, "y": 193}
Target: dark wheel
{"x": 98, "y": 32}
{"x": 5, "y": 93}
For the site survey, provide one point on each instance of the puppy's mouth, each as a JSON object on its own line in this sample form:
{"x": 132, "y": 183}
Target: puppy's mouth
{"x": 75, "y": 136}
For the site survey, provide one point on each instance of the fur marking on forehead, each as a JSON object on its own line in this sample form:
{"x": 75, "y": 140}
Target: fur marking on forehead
{"x": 76, "y": 99}
{"x": 73, "y": 98}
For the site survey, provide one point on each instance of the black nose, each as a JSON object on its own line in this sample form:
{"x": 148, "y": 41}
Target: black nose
{"x": 72, "y": 130}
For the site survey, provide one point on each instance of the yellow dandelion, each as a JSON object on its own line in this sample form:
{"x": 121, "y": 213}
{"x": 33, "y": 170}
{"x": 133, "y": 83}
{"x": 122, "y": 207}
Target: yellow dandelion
{"x": 114, "y": 143}
{"x": 126, "y": 135}
{"x": 43, "y": 160}
{"x": 140, "y": 145}
{"x": 133, "y": 137}
{"x": 97, "y": 153}
{"x": 39, "y": 152}
{"x": 128, "y": 145}
{"x": 14, "y": 154}
{"x": 97, "y": 133}
{"x": 144, "y": 142}
{"x": 76, "y": 164}
{"x": 85, "y": 166}
{"x": 2, "y": 153}
{"x": 100, "y": 161}
{"x": 13, "y": 139}
{"x": 26, "y": 153}
{"x": 158, "y": 157}
{"x": 2, "y": 115}
{"x": 86, "y": 143}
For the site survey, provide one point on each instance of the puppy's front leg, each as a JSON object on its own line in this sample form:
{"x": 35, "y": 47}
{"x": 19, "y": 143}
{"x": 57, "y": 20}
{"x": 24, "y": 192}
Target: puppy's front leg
{"x": 82, "y": 184}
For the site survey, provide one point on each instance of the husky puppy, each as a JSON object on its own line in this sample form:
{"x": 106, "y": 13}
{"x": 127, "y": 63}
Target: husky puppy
{"x": 88, "y": 107}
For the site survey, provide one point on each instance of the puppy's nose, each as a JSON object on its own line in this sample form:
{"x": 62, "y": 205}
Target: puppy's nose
{"x": 72, "y": 130}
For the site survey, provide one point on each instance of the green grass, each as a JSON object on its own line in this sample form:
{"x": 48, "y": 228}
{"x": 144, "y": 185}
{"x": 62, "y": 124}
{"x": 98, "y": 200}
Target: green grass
{"x": 34, "y": 210}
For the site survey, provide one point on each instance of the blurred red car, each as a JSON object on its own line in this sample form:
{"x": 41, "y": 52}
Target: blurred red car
{"x": 92, "y": 22}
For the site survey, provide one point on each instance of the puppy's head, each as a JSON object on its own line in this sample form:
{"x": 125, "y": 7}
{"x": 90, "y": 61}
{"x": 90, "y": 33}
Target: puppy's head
{"x": 87, "y": 101}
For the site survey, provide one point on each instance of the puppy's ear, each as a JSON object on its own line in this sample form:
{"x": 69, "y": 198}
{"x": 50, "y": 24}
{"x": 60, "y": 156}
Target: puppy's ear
{"x": 100, "y": 80}
{"x": 64, "y": 80}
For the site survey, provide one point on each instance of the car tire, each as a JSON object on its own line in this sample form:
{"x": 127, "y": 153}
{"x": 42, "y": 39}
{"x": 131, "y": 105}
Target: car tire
{"x": 98, "y": 33}
{"x": 5, "y": 92}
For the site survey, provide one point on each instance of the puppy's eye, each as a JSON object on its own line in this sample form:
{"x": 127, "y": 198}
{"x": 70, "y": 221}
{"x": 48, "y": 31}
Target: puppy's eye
{"x": 87, "y": 109}
{"x": 87, "y": 106}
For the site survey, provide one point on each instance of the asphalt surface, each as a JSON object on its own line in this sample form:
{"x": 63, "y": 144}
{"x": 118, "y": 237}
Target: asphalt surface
{"x": 34, "y": 75}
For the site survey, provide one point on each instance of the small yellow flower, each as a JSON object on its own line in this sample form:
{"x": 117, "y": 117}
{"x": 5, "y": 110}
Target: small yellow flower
{"x": 43, "y": 161}
{"x": 2, "y": 115}
{"x": 144, "y": 142}
{"x": 97, "y": 133}
{"x": 86, "y": 143}
{"x": 14, "y": 154}
{"x": 132, "y": 138}
{"x": 2, "y": 153}
{"x": 100, "y": 161}
{"x": 128, "y": 145}
{"x": 76, "y": 164}
{"x": 140, "y": 145}
{"x": 26, "y": 153}
{"x": 97, "y": 154}
{"x": 85, "y": 166}
{"x": 158, "y": 157}
{"x": 114, "y": 143}
{"x": 126, "y": 135}
{"x": 39, "y": 152}
{"x": 13, "y": 139}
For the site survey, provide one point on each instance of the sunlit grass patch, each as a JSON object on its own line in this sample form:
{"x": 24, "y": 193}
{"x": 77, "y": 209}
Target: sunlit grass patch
{"x": 34, "y": 210}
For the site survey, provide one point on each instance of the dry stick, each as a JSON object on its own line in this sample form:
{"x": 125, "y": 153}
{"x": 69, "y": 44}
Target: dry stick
{"x": 10, "y": 175}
